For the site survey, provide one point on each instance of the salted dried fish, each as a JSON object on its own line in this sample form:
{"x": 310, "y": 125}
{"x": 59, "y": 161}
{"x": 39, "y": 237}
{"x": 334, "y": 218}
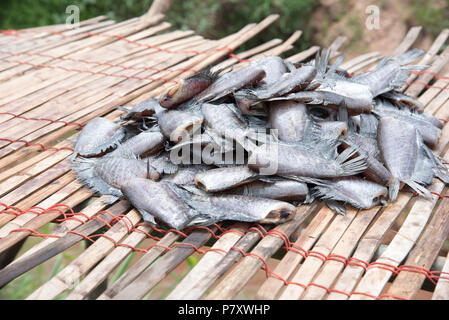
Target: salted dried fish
{"x": 360, "y": 193}
{"x": 295, "y": 80}
{"x": 403, "y": 100}
{"x": 289, "y": 118}
{"x": 231, "y": 82}
{"x": 158, "y": 200}
{"x": 221, "y": 179}
{"x": 390, "y": 73}
{"x": 176, "y": 124}
{"x": 108, "y": 174}
{"x": 280, "y": 189}
{"x": 142, "y": 145}
{"x": 98, "y": 136}
{"x": 187, "y": 88}
{"x": 399, "y": 149}
{"x": 430, "y": 133}
{"x": 302, "y": 160}
{"x": 221, "y": 207}
{"x": 367, "y": 146}
{"x": 143, "y": 109}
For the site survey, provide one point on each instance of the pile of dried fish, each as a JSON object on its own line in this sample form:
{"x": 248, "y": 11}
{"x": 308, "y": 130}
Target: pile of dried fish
{"x": 251, "y": 143}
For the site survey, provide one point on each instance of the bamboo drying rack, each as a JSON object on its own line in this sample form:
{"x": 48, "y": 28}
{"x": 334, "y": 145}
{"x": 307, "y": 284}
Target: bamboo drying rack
{"x": 54, "y": 80}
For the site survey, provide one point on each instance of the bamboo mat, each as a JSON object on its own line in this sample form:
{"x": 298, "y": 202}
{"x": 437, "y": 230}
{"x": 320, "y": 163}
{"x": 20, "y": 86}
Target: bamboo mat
{"x": 54, "y": 80}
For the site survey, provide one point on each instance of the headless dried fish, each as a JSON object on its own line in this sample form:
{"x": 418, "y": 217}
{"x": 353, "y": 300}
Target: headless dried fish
{"x": 390, "y": 73}
{"x": 398, "y": 145}
{"x": 303, "y": 160}
{"x": 287, "y": 190}
{"x": 221, "y": 179}
{"x": 360, "y": 193}
{"x": 430, "y": 133}
{"x": 176, "y": 124}
{"x": 231, "y": 82}
{"x": 144, "y": 109}
{"x": 216, "y": 208}
{"x": 98, "y": 136}
{"x": 289, "y": 118}
{"x": 142, "y": 145}
{"x": 108, "y": 174}
{"x": 187, "y": 88}
{"x": 158, "y": 200}
{"x": 403, "y": 100}
{"x": 295, "y": 80}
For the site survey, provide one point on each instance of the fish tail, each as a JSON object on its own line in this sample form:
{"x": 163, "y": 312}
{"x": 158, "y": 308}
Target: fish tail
{"x": 350, "y": 165}
{"x": 85, "y": 171}
{"x": 421, "y": 190}
{"x": 442, "y": 176}
{"x": 439, "y": 169}
{"x": 394, "y": 189}
{"x": 403, "y": 74}
{"x": 121, "y": 108}
{"x": 409, "y": 56}
{"x": 336, "y": 207}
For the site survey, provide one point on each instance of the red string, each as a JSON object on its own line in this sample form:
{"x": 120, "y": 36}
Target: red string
{"x": 42, "y": 119}
{"x": 30, "y": 144}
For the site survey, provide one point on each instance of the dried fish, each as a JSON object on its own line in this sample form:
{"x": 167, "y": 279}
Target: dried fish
{"x": 430, "y": 133}
{"x": 98, "y": 136}
{"x": 231, "y": 82}
{"x": 158, "y": 200}
{"x": 144, "y": 109}
{"x": 293, "y": 81}
{"x": 221, "y": 179}
{"x": 221, "y": 207}
{"x": 398, "y": 145}
{"x": 305, "y": 161}
{"x": 142, "y": 145}
{"x": 175, "y": 125}
{"x": 360, "y": 193}
{"x": 250, "y": 144}
{"x": 280, "y": 189}
{"x": 187, "y": 88}
{"x": 108, "y": 174}
{"x": 289, "y": 118}
{"x": 390, "y": 73}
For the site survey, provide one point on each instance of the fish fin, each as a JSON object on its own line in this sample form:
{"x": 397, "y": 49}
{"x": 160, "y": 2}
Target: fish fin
{"x": 342, "y": 114}
{"x": 368, "y": 125}
{"x": 290, "y": 66}
{"x": 111, "y": 143}
{"x": 442, "y": 176}
{"x": 402, "y": 76}
{"x": 350, "y": 166}
{"x": 206, "y": 74}
{"x": 86, "y": 174}
{"x": 439, "y": 169}
{"x": 409, "y": 56}
{"x": 336, "y": 207}
{"x": 147, "y": 217}
{"x": 162, "y": 165}
{"x": 313, "y": 136}
{"x": 308, "y": 180}
{"x": 394, "y": 189}
{"x": 309, "y": 198}
{"x": 110, "y": 199}
{"x": 418, "y": 188}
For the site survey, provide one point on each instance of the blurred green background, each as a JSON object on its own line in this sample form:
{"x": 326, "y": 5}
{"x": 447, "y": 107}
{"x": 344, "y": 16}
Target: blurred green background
{"x": 320, "y": 20}
{"x": 210, "y": 18}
